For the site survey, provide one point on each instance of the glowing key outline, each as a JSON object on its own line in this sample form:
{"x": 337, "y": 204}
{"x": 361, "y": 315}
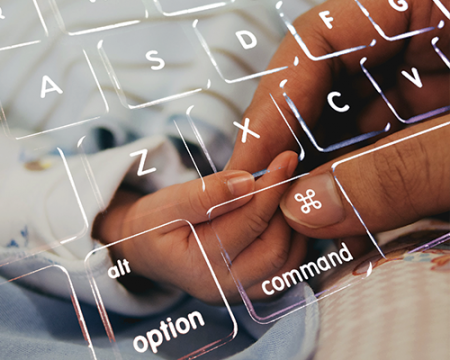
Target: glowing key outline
{"x": 333, "y": 147}
{"x": 395, "y": 37}
{"x": 41, "y": 19}
{"x": 75, "y": 303}
{"x": 105, "y": 103}
{"x": 62, "y": 26}
{"x": 58, "y": 243}
{"x": 335, "y": 165}
{"x": 441, "y": 7}
{"x": 302, "y": 44}
{"x": 216, "y": 66}
{"x": 104, "y": 315}
{"x": 120, "y": 93}
{"x": 412, "y": 119}
{"x": 247, "y": 302}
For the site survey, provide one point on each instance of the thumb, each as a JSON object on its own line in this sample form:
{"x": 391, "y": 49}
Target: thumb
{"x": 396, "y": 181}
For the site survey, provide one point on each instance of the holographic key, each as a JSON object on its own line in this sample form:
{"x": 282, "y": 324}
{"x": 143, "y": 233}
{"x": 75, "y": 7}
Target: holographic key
{"x": 419, "y": 81}
{"x": 287, "y": 273}
{"x": 83, "y": 17}
{"x": 397, "y": 9}
{"x": 328, "y": 22}
{"x": 33, "y": 27}
{"x": 136, "y": 66}
{"x": 242, "y": 44}
{"x": 54, "y": 87}
{"x": 40, "y": 199}
{"x": 176, "y": 334}
{"x": 337, "y": 106}
{"x": 381, "y": 152}
{"x": 28, "y": 279}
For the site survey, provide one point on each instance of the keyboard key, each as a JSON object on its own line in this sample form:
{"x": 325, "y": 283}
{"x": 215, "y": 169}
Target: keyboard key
{"x": 83, "y": 16}
{"x": 340, "y": 106}
{"x": 291, "y": 275}
{"x": 32, "y": 30}
{"x": 38, "y": 194}
{"x": 136, "y": 66}
{"x": 242, "y": 42}
{"x": 49, "y": 86}
{"x": 183, "y": 7}
{"x": 329, "y": 21}
{"x": 418, "y": 80}
{"x": 207, "y": 151}
{"x": 37, "y": 323}
{"x": 340, "y": 170}
{"x": 176, "y": 335}
{"x": 397, "y": 10}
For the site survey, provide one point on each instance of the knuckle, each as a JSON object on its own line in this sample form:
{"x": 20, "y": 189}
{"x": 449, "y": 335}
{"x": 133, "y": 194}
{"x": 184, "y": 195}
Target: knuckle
{"x": 196, "y": 203}
{"x": 278, "y": 257}
{"x": 257, "y": 223}
{"x": 201, "y": 201}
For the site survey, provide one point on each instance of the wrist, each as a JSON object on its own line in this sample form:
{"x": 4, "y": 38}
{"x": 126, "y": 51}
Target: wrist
{"x": 108, "y": 226}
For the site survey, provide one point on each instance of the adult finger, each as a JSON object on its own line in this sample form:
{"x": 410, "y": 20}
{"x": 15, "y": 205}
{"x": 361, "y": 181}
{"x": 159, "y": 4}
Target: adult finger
{"x": 237, "y": 229}
{"x": 309, "y": 81}
{"x": 396, "y": 181}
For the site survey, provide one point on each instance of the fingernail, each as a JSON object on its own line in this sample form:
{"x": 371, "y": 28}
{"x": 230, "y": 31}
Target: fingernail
{"x": 314, "y": 202}
{"x": 241, "y": 184}
{"x": 287, "y": 162}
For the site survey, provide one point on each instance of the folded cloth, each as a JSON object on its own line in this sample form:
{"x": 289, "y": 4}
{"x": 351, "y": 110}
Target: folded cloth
{"x": 40, "y": 326}
{"x": 401, "y": 311}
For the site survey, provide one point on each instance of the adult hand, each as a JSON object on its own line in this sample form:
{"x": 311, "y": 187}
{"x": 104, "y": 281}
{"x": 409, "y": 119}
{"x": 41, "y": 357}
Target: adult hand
{"x": 394, "y": 185}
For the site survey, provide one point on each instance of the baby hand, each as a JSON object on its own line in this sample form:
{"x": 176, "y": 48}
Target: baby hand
{"x": 251, "y": 229}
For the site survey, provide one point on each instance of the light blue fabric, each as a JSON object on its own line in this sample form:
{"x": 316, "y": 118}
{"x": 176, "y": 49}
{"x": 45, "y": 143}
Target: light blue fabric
{"x": 37, "y": 326}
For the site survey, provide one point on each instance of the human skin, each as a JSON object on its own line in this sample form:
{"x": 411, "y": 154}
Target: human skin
{"x": 171, "y": 255}
{"x": 393, "y": 186}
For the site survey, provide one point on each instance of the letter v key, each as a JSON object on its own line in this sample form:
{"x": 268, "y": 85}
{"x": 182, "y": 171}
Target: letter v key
{"x": 141, "y": 170}
{"x": 416, "y": 79}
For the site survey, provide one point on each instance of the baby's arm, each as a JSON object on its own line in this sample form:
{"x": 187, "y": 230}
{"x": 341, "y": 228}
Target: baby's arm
{"x": 251, "y": 229}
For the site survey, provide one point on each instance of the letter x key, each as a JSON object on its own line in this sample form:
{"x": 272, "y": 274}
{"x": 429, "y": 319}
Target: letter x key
{"x": 245, "y": 130}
